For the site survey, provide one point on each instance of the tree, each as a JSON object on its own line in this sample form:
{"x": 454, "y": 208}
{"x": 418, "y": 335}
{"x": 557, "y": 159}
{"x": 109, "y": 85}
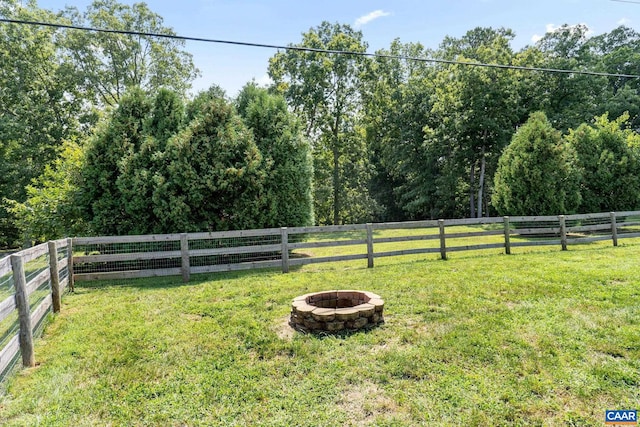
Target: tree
{"x": 619, "y": 53}
{"x": 119, "y": 137}
{"x": 198, "y": 105}
{"x": 397, "y": 101}
{"x": 568, "y": 99}
{"x": 108, "y": 64}
{"x": 609, "y": 162}
{"x": 214, "y": 176}
{"x": 53, "y": 80}
{"x": 286, "y": 196}
{"x": 477, "y": 111}
{"x": 143, "y": 167}
{"x": 39, "y": 108}
{"x": 322, "y": 89}
{"x": 51, "y": 209}
{"x": 536, "y": 175}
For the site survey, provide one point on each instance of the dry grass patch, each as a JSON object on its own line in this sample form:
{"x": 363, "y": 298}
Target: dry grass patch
{"x": 365, "y": 404}
{"x": 283, "y": 330}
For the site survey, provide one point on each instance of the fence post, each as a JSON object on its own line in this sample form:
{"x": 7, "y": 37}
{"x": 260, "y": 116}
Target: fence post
{"x": 55, "y": 276}
{"x": 614, "y": 229}
{"x": 507, "y": 236}
{"x": 369, "y": 245}
{"x": 24, "y": 314}
{"x": 72, "y": 287}
{"x": 184, "y": 252}
{"x": 563, "y": 232}
{"x": 284, "y": 239}
{"x": 443, "y": 246}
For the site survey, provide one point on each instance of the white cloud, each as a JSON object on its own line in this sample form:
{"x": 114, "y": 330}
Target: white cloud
{"x": 264, "y": 81}
{"x": 365, "y": 19}
{"x": 624, "y": 21}
{"x": 550, "y": 28}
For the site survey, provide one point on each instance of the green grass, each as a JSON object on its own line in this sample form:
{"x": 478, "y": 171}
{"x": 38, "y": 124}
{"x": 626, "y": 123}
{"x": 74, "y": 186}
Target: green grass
{"x": 543, "y": 338}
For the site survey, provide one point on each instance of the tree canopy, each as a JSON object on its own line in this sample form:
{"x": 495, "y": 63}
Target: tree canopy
{"x": 323, "y": 89}
{"x": 107, "y": 64}
{"x": 337, "y": 138}
{"x": 56, "y": 84}
{"x": 38, "y": 107}
{"x": 286, "y": 198}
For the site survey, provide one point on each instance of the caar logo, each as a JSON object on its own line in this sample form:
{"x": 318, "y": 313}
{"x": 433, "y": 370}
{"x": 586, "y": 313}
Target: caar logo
{"x": 621, "y": 418}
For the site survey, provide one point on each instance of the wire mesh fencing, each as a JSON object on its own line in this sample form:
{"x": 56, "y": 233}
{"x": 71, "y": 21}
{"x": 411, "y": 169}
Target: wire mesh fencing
{"x": 26, "y": 298}
{"x": 628, "y": 224}
{"x": 104, "y": 255}
{"x": 175, "y": 254}
{"x": 62, "y": 254}
{"x": 6, "y": 278}
{"x": 231, "y": 251}
{"x": 171, "y": 254}
{"x": 534, "y": 231}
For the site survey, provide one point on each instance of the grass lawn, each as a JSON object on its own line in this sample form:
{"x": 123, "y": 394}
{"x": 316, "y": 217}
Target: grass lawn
{"x": 544, "y": 338}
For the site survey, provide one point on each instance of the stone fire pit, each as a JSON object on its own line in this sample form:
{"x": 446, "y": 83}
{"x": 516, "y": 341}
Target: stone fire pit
{"x": 334, "y": 311}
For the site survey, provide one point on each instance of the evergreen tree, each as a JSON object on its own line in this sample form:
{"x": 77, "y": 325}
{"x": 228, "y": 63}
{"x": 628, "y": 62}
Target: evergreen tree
{"x": 287, "y": 199}
{"x": 214, "y": 175}
{"x": 116, "y": 139}
{"x": 535, "y": 173}
{"x": 141, "y": 170}
{"x": 609, "y": 164}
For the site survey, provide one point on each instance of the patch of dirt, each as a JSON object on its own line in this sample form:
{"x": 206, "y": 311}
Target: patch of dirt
{"x": 283, "y": 330}
{"x": 367, "y": 404}
{"x": 416, "y": 330}
{"x": 194, "y": 317}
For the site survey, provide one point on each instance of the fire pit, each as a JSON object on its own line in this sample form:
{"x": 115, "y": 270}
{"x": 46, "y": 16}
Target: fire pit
{"x": 334, "y": 311}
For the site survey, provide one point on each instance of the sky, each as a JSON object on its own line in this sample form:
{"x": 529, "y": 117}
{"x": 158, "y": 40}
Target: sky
{"x": 280, "y": 22}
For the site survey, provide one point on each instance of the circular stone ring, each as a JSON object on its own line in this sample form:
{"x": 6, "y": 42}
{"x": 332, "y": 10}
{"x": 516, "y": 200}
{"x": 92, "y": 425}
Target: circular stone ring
{"x": 334, "y": 311}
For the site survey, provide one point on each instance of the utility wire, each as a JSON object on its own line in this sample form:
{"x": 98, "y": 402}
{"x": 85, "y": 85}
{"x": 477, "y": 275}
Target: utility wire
{"x": 316, "y": 50}
{"x": 627, "y": 1}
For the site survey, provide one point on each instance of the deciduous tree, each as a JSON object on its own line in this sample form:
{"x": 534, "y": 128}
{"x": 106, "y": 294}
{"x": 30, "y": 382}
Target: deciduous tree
{"x": 51, "y": 209}
{"x": 39, "y": 107}
{"x": 476, "y": 111}
{"x": 397, "y": 99}
{"x": 108, "y": 64}
{"x": 323, "y": 90}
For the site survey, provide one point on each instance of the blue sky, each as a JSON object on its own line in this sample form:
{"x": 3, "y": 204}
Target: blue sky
{"x": 282, "y": 22}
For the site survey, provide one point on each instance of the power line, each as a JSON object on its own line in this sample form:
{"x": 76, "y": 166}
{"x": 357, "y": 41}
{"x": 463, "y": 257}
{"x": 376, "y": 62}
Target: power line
{"x": 627, "y": 1}
{"x": 316, "y": 50}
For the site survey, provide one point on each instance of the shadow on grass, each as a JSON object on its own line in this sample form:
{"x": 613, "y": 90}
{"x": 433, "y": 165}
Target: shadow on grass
{"x": 167, "y": 282}
{"x": 340, "y": 335}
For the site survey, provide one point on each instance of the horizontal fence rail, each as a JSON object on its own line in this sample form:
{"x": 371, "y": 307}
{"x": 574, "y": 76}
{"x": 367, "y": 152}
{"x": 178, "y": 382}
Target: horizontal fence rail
{"x": 31, "y": 284}
{"x": 125, "y": 257}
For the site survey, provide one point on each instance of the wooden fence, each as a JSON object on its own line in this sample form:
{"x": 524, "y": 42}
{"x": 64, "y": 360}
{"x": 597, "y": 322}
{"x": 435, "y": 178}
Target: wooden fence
{"x": 33, "y": 281}
{"x": 128, "y": 257}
